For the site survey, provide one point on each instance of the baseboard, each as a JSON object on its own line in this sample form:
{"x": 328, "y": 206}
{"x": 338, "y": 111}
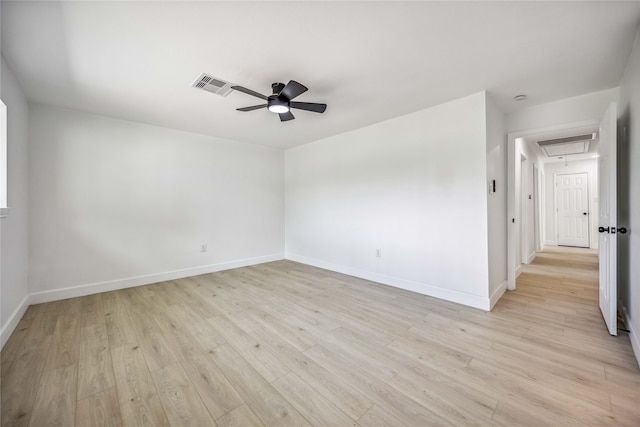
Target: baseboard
{"x": 495, "y": 296}
{"x": 633, "y": 335}
{"x": 550, "y": 243}
{"x": 129, "y": 282}
{"x": 531, "y": 257}
{"x": 409, "y": 285}
{"x": 518, "y": 270}
{"x": 13, "y": 320}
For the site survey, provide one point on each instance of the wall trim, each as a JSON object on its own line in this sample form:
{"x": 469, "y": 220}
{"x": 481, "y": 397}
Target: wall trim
{"x": 550, "y": 243}
{"x": 397, "y": 282}
{"x": 531, "y": 257}
{"x": 13, "y": 320}
{"x": 129, "y": 282}
{"x": 497, "y": 294}
{"x": 518, "y": 270}
{"x": 633, "y": 335}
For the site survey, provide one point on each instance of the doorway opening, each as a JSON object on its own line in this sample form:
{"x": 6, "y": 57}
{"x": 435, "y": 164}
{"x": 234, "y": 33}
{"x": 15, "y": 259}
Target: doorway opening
{"x": 580, "y": 181}
{"x": 533, "y": 196}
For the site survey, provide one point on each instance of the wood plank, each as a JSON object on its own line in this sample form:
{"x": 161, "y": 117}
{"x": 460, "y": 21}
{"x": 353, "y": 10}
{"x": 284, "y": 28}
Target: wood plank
{"x": 213, "y": 387}
{"x": 179, "y": 399}
{"x": 20, "y": 385}
{"x": 259, "y": 354}
{"x": 400, "y": 405}
{"x": 118, "y": 320}
{"x": 13, "y": 344}
{"x": 65, "y": 344}
{"x": 99, "y": 410}
{"x": 137, "y": 396}
{"x": 44, "y": 321}
{"x": 311, "y": 404}
{"x": 56, "y": 401}
{"x": 242, "y": 416}
{"x": 157, "y": 351}
{"x": 447, "y": 402}
{"x": 539, "y": 394}
{"x": 268, "y": 405}
{"x": 378, "y": 417}
{"x": 95, "y": 370}
{"x": 92, "y": 310}
{"x": 201, "y": 329}
{"x": 334, "y": 388}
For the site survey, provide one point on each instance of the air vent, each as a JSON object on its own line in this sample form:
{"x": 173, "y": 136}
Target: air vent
{"x": 577, "y": 144}
{"x": 212, "y": 84}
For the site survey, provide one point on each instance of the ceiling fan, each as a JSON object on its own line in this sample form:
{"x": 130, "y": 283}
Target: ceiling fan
{"x": 280, "y": 101}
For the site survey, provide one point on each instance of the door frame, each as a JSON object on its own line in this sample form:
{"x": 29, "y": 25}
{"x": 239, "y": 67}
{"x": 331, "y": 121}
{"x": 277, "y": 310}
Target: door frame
{"x": 524, "y": 215}
{"x": 513, "y": 221}
{"x": 537, "y": 217}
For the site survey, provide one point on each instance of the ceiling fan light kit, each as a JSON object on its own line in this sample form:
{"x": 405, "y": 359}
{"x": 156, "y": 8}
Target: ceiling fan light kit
{"x": 277, "y": 105}
{"x": 279, "y": 101}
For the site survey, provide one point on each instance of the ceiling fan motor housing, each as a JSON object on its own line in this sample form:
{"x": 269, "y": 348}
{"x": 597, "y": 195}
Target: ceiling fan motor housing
{"x": 277, "y": 88}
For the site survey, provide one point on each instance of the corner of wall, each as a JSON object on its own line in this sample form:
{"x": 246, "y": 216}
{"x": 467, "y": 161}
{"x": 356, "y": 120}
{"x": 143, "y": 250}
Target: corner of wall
{"x": 496, "y": 171}
{"x": 497, "y": 294}
{"x": 14, "y": 286}
{"x": 13, "y": 320}
{"x": 634, "y": 335}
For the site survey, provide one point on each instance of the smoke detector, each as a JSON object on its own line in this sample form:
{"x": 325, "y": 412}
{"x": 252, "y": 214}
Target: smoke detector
{"x": 212, "y": 84}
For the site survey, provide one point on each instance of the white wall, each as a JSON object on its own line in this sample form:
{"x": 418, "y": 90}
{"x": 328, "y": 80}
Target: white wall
{"x": 497, "y": 202}
{"x": 578, "y": 109}
{"x": 14, "y": 233}
{"x": 414, "y": 187}
{"x": 116, "y": 203}
{"x": 578, "y": 166}
{"x": 629, "y": 195}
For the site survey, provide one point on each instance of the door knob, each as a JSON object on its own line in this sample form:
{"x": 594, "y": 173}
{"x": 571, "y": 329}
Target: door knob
{"x": 622, "y": 230}
{"x": 585, "y": 213}
{"x": 603, "y": 229}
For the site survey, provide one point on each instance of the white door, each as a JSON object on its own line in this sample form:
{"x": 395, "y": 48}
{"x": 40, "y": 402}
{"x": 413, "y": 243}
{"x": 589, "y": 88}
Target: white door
{"x": 607, "y": 218}
{"x": 572, "y": 209}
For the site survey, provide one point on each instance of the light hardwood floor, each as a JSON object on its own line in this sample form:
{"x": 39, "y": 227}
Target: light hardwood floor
{"x": 284, "y": 344}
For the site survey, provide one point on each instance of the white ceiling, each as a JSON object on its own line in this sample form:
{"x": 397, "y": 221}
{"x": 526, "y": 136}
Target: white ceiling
{"x": 369, "y": 61}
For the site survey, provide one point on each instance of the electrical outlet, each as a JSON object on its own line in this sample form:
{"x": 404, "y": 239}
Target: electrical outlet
{"x": 378, "y": 253}
{"x": 203, "y": 248}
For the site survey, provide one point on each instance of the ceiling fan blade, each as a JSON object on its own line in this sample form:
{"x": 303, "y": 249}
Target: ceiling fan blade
{"x": 309, "y": 106}
{"x": 249, "y": 92}
{"x": 284, "y": 117}
{"x": 293, "y": 89}
{"x": 254, "y": 107}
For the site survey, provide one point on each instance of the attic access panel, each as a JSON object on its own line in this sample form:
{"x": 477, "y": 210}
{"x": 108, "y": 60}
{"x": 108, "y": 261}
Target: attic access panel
{"x": 577, "y": 144}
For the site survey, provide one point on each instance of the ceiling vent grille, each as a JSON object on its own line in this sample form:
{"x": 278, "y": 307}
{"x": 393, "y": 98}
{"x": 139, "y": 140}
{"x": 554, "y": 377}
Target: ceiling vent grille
{"x": 570, "y": 145}
{"x": 212, "y": 84}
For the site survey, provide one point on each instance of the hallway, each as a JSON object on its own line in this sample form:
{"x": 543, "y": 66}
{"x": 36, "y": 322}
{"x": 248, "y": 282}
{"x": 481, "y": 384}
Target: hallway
{"x": 556, "y": 302}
